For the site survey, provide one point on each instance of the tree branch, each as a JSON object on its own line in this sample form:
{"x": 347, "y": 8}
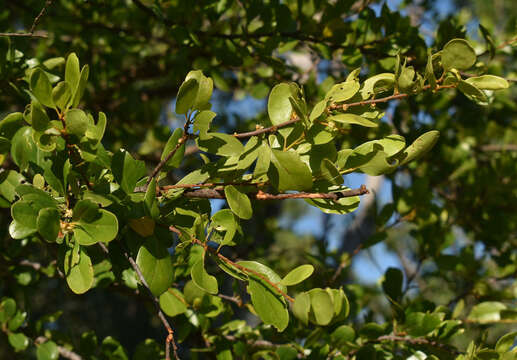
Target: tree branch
{"x": 35, "y": 23}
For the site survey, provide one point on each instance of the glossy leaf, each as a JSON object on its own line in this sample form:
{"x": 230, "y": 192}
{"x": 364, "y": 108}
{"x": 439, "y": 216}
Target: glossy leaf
{"x": 61, "y": 95}
{"x": 419, "y": 147}
{"x": 156, "y": 265}
{"x": 76, "y": 122}
{"x": 342, "y": 91}
{"x": 202, "y": 279}
{"x": 301, "y": 307}
{"x": 18, "y": 341}
{"x": 78, "y": 271}
{"x": 322, "y": 306}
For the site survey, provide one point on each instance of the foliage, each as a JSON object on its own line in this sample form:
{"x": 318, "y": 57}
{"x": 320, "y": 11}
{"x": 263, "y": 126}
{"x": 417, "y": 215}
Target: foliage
{"x": 112, "y": 211}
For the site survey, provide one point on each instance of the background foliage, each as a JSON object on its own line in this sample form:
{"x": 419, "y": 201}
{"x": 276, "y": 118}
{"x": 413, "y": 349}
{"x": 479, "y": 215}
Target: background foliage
{"x": 447, "y": 220}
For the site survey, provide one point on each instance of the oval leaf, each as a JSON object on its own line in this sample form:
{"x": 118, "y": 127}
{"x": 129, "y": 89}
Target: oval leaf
{"x": 203, "y": 279}
{"x": 458, "y": 54}
{"x": 279, "y": 107}
{"x": 297, "y": 275}
{"x": 41, "y": 88}
{"x": 239, "y": 202}
{"x": 79, "y": 274}
{"x": 155, "y": 262}
{"x": 101, "y": 227}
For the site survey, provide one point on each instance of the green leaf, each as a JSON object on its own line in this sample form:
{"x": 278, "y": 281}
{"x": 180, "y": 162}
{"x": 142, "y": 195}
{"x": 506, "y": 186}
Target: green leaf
{"x": 72, "y": 74}
{"x": 486, "y": 312}
{"x": 419, "y": 147}
{"x": 264, "y": 270}
{"x": 352, "y": 119}
{"x": 421, "y": 324}
{"x": 101, "y": 226}
{"x": 341, "y": 206}
{"x": 79, "y": 91}
{"x": 78, "y": 272}
{"x": 220, "y": 144}
{"x": 173, "y": 302}
{"x": 289, "y": 172}
{"x": 342, "y": 335}
{"x": 76, "y": 122}
{"x": 318, "y": 109}
{"x": 126, "y": 170}
{"x": 342, "y": 91}
{"x": 202, "y": 121}
{"x": 9, "y": 180}
{"x": 488, "y": 82}
{"x": 429, "y": 70}
{"x": 95, "y": 132}
{"x": 25, "y": 217}
{"x": 322, "y": 306}
{"x": 224, "y": 220}
{"x": 278, "y": 106}
{"x": 61, "y": 95}
{"x": 302, "y": 306}
{"x": 23, "y": 148}
{"x": 41, "y": 88}
{"x": 155, "y": 262}
{"x": 18, "y": 341}
{"x": 205, "y": 88}
{"x": 7, "y": 309}
{"x": 186, "y": 96}
{"x": 47, "y": 351}
{"x": 17, "y": 320}
{"x": 330, "y": 173}
{"x": 458, "y": 54}
{"x": 472, "y": 92}
{"x": 48, "y": 223}
{"x": 239, "y": 202}
{"x": 175, "y": 160}
{"x": 40, "y": 120}
{"x": 392, "y": 284}
{"x": 269, "y": 305}
{"x": 297, "y": 275}
{"x": 505, "y": 343}
{"x": 377, "y": 84}
{"x": 202, "y": 279}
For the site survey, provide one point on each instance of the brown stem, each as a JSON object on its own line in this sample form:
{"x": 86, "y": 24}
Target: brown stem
{"x": 33, "y": 26}
{"x": 170, "y": 337}
{"x": 343, "y": 107}
{"x": 242, "y": 268}
{"x": 162, "y": 163}
{"x": 260, "y": 195}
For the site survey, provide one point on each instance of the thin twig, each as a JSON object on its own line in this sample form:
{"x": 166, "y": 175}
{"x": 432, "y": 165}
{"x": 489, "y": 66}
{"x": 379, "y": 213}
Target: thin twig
{"x": 343, "y": 107}
{"x": 183, "y": 139}
{"x": 35, "y": 23}
{"x": 170, "y": 337}
{"x": 260, "y": 195}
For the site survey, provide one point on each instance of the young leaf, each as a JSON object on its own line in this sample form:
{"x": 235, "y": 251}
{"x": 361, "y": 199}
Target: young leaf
{"x": 322, "y": 306}
{"x": 186, "y": 96}
{"x": 155, "y": 262}
{"x": 72, "y": 74}
{"x": 419, "y": 147}
{"x": 458, "y": 54}
{"x": 41, "y": 88}
{"x": 61, "y": 95}
{"x": 239, "y": 202}
{"x": 79, "y": 274}
{"x": 18, "y": 341}
{"x": 175, "y": 160}
{"x": 202, "y": 279}
{"x": 297, "y": 275}
{"x": 205, "y": 88}
{"x": 78, "y": 93}
{"x": 301, "y": 307}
